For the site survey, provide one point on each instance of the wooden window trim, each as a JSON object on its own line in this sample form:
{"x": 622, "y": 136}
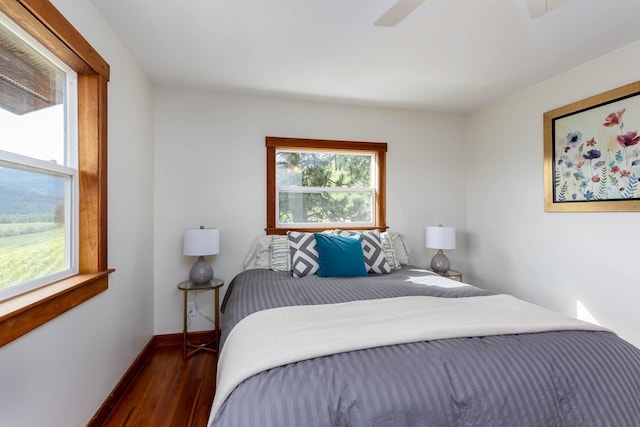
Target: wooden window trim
{"x": 25, "y": 312}
{"x": 273, "y": 143}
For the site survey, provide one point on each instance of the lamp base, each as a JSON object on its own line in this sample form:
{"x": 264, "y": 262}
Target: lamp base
{"x": 440, "y": 263}
{"x": 201, "y": 271}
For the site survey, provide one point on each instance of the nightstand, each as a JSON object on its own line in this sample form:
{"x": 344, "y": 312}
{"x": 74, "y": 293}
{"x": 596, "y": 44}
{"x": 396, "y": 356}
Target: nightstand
{"x": 452, "y": 274}
{"x": 186, "y": 287}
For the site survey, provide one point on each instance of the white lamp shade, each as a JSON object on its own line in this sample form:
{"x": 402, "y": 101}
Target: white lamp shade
{"x": 201, "y": 242}
{"x": 440, "y": 238}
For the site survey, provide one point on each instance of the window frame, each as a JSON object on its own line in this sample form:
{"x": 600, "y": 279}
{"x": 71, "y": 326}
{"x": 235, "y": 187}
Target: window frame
{"x": 23, "y": 313}
{"x": 379, "y": 149}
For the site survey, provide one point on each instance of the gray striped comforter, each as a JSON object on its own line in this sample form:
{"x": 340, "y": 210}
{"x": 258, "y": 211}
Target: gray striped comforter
{"x": 568, "y": 378}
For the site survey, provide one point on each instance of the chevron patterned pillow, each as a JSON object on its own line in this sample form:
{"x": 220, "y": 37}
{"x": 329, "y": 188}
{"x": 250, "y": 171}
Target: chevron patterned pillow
{"x": 304, "y": 255}
{"x": 374, "y": 256}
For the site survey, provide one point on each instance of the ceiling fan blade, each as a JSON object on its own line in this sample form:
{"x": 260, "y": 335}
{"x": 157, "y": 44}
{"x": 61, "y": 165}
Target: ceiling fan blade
{"x": 538, "y": 8}
{"x": 398, "y": 12}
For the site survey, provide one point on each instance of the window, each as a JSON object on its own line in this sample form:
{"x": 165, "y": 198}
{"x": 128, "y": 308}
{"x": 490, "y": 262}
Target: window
{"x": 74, "y": 186}
{"x": 315, "y": 184}
{"x": 324, "y": 187}
{"x": 38, "y": 164}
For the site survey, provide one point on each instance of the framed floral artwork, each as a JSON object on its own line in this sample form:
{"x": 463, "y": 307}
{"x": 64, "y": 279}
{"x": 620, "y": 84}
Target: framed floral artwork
{"x": 592, "y": 153}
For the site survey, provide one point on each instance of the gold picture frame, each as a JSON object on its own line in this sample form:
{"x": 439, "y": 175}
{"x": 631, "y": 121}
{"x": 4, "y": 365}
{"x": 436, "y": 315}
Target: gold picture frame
{"x": 592, "y": 153}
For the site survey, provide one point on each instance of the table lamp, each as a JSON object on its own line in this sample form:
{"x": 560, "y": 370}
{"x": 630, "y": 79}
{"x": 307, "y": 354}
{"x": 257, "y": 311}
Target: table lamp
{"x": 201, "y": 242}
{"x": 440, "y": 238}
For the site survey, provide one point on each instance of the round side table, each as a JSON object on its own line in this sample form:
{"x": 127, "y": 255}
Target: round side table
{"x": 186, "y": 287}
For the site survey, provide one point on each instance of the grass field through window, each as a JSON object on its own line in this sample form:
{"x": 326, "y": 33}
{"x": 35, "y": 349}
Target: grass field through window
{"x": 29, "y": 251}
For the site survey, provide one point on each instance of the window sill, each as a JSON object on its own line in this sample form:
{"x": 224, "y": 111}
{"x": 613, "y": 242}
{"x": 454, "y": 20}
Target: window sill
{"x": 23, "y": 313}
{"x": 284, "y": 230}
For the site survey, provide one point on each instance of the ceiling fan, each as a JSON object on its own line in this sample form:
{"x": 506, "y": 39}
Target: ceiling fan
{"x": 398, "y": 12}
{"x": 538, "y": 8}
{"x": 402, "y": 8}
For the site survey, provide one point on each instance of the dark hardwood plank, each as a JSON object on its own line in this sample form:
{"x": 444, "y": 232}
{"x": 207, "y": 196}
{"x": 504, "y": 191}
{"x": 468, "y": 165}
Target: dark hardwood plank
{"x": 168, "y": 391}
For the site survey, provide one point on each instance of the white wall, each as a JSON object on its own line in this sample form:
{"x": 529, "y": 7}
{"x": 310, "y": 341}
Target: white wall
{"x": 60, "y": 373}
{"x": 559, "y": 260}
{"x": 210, "y": 170}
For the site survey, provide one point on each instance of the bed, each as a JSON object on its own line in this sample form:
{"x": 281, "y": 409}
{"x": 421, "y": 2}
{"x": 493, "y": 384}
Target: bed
{"x": 411, "y": 348}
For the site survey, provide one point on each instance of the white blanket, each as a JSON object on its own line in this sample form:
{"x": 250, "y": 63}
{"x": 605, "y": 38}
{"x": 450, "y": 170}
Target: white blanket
{"x": 279, "y": 336}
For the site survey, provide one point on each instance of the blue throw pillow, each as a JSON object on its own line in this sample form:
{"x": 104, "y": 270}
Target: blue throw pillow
{"x": 339, "y": 256}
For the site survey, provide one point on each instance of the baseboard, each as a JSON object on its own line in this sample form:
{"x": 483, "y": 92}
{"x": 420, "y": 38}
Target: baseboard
{"x": 112, "y": 400}
{"x": 199, "y": 337}
{"x": 120, "y": 389}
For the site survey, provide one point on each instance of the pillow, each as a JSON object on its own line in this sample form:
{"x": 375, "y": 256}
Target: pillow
{"x": 374, "y": 255}
{"x": 389, "y": 251}
{"x": 280, "y": 259}
{"x": 400, "y": 246}
{"x": 339, "y": 256}
{"x": 259, "y": 253}
{"x": 304, "y": 256}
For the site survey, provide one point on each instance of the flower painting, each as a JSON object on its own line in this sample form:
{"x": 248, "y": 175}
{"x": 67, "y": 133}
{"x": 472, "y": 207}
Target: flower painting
{"x": 592, "y": 153}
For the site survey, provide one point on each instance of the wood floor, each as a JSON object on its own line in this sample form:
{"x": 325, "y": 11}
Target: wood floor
{"x": 168, "y": 391}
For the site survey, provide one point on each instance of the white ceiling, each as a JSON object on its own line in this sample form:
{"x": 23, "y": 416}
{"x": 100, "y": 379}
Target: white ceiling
{"x": 448, "y": 55}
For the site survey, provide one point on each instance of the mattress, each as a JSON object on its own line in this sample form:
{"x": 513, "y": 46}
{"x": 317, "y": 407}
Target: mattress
{"x": 558, "y": 378}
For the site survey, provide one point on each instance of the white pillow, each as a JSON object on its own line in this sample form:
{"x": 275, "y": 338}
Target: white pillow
{"x": 259, "y": 255}
{"x": 400, "y": 246}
